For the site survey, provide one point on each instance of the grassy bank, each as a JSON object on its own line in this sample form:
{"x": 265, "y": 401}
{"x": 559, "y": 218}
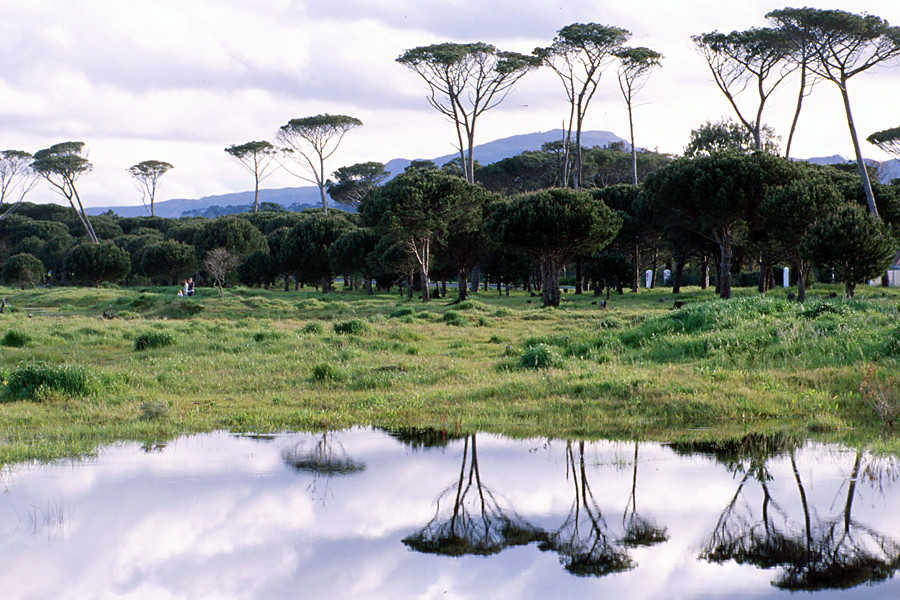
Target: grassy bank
{"x": 261, "y": 361}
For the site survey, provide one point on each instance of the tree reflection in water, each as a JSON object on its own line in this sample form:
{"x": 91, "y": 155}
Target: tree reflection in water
{"x": 640, "y": 530}
{"x": 834, "y": 552}
{"x": 325, "y": 458}
{"x": 470, "y": 519}
{"x": 584, "y": 543}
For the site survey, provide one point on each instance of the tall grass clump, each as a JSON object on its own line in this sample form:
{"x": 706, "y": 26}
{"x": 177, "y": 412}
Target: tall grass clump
{"x": 34, "y": 380}
{"x": 539, "y": 356}
{"x": 351, "y": 327}
{"x": 14, "y": 339}
{"x": 314, "y": 328}
{"x": 154, "y": 339}
{"x": 327, "y": 372}
{"x": 882, "y": 394}
{"x": 451, "y": 317}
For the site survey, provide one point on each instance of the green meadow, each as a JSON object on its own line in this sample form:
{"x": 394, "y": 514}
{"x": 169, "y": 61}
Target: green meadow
{"x": 157, "y": 366}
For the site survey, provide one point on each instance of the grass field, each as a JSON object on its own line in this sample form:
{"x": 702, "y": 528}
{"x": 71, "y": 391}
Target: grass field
{"x": 268, "y": 360}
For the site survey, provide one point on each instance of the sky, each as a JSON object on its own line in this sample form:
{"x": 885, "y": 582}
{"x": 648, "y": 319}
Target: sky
{"x": 180, "y": 81}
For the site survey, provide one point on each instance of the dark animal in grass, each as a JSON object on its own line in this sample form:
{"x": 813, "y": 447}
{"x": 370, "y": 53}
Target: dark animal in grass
{"x": 661, "y": 300}
{"x": 791, "y": 297}
{"x": 832, "y": 295}
{"x": 678, "y": 304}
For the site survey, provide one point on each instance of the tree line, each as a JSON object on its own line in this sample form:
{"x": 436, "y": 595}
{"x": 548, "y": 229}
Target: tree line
{"x": 561, "y": 204}
{"x": 715, "y": 214}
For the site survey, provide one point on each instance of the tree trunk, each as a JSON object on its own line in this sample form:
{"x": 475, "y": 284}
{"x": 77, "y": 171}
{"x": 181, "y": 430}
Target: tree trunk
{"x": 726, "y": 253}
{"x": 801, "y": 282}
{"x": 423, "y": 276}
{"x": 550, "y": 282}
{"x": 636, "y": 267}
{"x": 860, "y": 162}
{"x": 704, "y": 271}
{"x": 476, "y": 278}
{"x": 677, "y": 271}
{"x": 463, "y": 285}
{"x": 579, "y": 276}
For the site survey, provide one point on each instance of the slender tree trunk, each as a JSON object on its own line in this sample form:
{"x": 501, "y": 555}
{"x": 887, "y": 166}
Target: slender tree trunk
{"x": 787, "y": 149}
{"x": 636, "y": 267}
{"x": 655, "y": 265}
{"x": 634, "y": 177}
{"x": 860, "y": 162}
{"x": 801, "y": 282}
{"x": 577, "y": 175}
{"x": 579, "y": 276}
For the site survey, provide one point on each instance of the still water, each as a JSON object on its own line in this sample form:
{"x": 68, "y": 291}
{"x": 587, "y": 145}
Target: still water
{"x": 367, "y": 514}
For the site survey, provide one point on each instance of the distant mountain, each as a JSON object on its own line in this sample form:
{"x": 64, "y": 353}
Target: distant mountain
{"x": 307, "y": 196}
{"x": 497, "y": 150}
{"x": 297, "y": 198}
{"x": 887, "y": 170}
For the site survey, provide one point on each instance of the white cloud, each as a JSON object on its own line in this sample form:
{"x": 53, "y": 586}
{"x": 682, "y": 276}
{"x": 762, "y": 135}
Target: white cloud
{"x": 180, "y": 81}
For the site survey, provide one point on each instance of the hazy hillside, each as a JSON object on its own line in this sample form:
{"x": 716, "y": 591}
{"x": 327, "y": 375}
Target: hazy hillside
{"x": 490, "y": 152}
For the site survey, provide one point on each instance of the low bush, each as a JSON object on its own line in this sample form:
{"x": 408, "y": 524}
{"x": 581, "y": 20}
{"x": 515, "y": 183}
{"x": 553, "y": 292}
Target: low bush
{"x": 154, "y": 410}
{"x": 314, "y": 327}
{"x": 34, "y": 380}
{"x": 451, "y": 317}
{"x": 540, "y": 356}
{"x": 14, "y": 339}
{"x": 154, "y": 339}
{"x": 327, "y": 372}
{"x": 351, "y": 327}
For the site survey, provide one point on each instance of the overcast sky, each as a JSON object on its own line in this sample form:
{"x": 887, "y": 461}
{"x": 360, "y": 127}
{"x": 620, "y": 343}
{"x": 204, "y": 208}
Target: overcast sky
{"x": 178, "y": 80}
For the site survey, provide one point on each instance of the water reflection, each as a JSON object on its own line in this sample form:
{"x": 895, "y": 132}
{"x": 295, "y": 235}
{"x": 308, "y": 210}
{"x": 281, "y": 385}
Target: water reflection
{"x": 239, "y": 517}
{"x": 640, "y": 530}
{"x": 471, "y": 518}
{"x": 822, "y": 550}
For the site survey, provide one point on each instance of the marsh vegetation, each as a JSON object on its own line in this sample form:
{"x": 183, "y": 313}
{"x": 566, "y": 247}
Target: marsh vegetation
{"x": 262, "y": 361}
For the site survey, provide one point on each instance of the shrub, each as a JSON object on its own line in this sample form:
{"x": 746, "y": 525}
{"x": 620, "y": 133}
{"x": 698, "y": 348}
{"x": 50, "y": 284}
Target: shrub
{"x": 22, "y": 269}
{"x": 33, "y": 380}
{"x": 882, "y": 395}
{"x": 310, "y": 304}
{"x": 314, "y": 327}
{"x": 14, "y": 339}
{"x": 402, "y": 312}
{"x": 451, "y": 317}
{"x": 153, "y": 339}
{"x": 153, "y": 410}
{"x": 540, "y": 356}
{"x": 265, "y": 336}
{"x": 472, "y": 305}
{"x": 353, "y": 327}
{"x": 327, "y": 372}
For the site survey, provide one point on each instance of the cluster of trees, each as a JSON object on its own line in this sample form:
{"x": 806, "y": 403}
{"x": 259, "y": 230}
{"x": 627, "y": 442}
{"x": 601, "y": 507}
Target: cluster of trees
{"x": 730, "y": 201}
{"x": 722, "y": 212}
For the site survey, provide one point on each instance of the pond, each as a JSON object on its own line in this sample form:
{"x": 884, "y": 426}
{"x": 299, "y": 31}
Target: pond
{"x": 418, "y": 514}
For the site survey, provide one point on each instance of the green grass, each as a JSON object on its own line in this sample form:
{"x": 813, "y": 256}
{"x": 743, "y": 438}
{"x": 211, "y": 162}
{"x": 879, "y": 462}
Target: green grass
{"x": 268, "y": 360}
